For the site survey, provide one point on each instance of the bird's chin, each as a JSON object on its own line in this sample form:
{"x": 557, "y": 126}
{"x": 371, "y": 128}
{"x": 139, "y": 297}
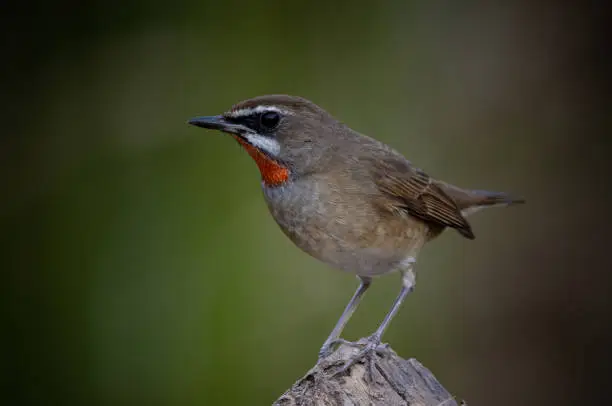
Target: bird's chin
{"x": 241, "y": 139}
{"x": 273, "y": 173}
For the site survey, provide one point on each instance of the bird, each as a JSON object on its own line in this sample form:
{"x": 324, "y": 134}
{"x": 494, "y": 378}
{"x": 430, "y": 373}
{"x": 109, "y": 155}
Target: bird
{"x": 347, "y": 199}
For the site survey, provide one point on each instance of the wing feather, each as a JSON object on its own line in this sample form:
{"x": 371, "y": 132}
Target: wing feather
{"x": 412, "y": 190}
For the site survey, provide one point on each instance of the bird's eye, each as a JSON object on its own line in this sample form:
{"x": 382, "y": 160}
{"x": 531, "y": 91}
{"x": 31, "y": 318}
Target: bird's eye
{"x": 269, "y": 120}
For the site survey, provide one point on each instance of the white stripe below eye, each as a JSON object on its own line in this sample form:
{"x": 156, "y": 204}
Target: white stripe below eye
{"x": 269, "y": 145}
{"x": 256, "y": 110}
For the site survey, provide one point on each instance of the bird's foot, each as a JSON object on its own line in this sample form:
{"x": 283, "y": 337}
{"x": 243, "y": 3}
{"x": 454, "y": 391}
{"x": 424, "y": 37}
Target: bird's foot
{"x": 328, "y": 347}
{"x": 370, "y": 348}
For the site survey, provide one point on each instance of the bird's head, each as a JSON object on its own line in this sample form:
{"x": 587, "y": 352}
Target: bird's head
{"x": 285, "y": 135}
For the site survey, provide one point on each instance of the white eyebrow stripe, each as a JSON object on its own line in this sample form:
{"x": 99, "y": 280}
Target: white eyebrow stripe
{"x": 267, "y": 144}
{"x": 259, "y": 109}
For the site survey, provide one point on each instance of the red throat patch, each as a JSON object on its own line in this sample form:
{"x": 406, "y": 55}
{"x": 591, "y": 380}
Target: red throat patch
{"x": 272, "y": 173}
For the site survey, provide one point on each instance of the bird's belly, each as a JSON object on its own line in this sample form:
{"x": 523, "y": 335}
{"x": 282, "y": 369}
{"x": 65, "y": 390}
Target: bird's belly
{"x": 377, "y": 256}
{"x": 366, "y": 246}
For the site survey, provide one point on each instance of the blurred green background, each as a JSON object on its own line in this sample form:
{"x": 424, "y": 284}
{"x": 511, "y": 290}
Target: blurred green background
{"x": 140, "y": 265}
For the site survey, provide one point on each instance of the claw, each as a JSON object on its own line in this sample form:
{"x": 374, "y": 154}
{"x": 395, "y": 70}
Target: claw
{"x": 370, "y": 348}
{"x": 327, "y": 349}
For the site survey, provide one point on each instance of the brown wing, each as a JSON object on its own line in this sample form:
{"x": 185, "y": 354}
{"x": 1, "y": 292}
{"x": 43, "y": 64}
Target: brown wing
{"x": 412, "y": 190}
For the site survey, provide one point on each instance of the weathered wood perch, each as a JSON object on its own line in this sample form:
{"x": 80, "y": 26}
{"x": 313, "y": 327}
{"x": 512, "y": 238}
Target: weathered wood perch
{"x": 396, "y": 382}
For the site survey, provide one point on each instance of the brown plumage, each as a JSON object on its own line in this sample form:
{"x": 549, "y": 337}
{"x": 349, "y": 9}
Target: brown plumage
{"x": 345, "y": 198}
{"x": 413, "y": 190}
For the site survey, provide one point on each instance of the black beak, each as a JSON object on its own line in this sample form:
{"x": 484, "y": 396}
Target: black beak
{"x": 217, "y": 123}
{"x": 211, "y": 122}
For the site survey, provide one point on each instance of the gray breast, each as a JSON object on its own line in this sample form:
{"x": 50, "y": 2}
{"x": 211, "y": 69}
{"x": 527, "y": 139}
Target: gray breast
{"x": 348, "y": 234}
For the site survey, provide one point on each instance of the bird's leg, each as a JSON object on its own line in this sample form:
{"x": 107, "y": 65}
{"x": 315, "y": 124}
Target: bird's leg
{"x": 372, "y": 344}
{"x": 334, "y": 337}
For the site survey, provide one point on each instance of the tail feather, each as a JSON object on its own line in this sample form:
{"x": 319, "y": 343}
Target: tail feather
{"x": 486, "y": 198}
{"x": 470, "y": 201}
{"x": 474, "y": 200}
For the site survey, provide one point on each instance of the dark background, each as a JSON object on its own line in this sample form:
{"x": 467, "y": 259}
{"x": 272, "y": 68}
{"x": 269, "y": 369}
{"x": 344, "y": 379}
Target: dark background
{"x": 139, "y": 263}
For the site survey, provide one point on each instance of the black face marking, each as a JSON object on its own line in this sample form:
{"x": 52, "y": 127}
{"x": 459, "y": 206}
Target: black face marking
{"x": 263, "y": 123}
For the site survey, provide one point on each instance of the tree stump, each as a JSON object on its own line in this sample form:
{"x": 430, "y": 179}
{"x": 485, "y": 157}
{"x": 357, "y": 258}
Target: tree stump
{"x": 396, "y": 382}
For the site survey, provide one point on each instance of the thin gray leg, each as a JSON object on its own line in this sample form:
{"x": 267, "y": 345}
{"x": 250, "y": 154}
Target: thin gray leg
{"x": 346, "y": 315}
{"x": 407, "y": 287}
{"x": 372, "y": 344}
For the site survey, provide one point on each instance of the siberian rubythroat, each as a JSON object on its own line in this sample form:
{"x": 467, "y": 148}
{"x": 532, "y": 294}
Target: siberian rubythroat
{"x": 345, "y": 198}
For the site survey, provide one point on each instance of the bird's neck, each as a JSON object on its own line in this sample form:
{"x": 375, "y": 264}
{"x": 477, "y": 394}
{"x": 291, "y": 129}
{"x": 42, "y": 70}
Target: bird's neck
{"x": 273, "y": 173}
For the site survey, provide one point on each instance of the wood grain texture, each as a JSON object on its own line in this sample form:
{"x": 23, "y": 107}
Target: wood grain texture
{"x": 396, "y": 382}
